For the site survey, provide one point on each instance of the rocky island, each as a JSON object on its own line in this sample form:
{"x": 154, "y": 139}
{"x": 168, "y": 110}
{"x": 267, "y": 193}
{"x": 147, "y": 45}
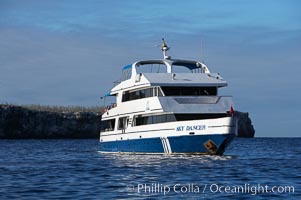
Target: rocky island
{"x": 55, "y": 122}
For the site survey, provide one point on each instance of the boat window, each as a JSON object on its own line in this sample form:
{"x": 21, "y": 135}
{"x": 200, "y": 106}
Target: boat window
{"x": 152, "y": 68}
{"x": 107, "y": 125}
{"x": 156, "y": 119}
{"x": 140, "y": 121}
{"x": 186, "y": 67}
{"x": 189, "y": 91}
{"x": 140, "y": 94}
{"x": 123, "y": 123}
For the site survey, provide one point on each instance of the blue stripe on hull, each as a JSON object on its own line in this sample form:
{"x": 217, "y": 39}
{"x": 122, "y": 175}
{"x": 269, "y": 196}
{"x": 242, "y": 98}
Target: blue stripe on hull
{"x": 178, "y": 144}
{"x": 146, "y": 145}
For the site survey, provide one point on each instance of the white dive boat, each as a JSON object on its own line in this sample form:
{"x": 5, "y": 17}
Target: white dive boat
{"x": 168, "y": 106}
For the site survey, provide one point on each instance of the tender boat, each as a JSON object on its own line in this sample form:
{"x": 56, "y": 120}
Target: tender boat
{"x": 168, "y": 106}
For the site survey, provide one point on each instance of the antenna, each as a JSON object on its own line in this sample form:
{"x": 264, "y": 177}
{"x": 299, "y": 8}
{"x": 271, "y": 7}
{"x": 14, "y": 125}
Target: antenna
{"x": 165, "y": 48}
{"x": 202, "y": 55}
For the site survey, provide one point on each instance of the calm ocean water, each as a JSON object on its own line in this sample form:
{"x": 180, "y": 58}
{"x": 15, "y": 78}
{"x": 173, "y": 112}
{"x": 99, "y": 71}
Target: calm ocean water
{"x": 73, "y": 169}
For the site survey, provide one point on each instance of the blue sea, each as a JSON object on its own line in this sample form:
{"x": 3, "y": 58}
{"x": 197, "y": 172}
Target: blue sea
{"x": 258, "y": 168}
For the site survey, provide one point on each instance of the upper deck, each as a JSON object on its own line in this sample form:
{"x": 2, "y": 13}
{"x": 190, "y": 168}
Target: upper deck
{"x": 167, "y": 72}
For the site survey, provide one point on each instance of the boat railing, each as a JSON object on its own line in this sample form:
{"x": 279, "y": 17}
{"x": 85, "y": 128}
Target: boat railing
{"x": 197, "y": 99}
{"x": 109, "y": 107}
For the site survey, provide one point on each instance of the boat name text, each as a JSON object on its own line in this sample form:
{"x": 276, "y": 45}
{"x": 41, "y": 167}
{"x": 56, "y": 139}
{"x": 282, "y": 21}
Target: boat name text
{"x": 191, "y": 128}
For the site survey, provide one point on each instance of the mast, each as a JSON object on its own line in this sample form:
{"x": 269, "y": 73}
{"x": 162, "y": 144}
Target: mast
{"x": 165, "y": 48}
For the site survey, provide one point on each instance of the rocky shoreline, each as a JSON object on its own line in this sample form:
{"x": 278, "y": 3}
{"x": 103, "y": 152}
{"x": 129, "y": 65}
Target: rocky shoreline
{"x": 44, "y": 122}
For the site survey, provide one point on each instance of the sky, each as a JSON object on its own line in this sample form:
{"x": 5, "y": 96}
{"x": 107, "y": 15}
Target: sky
{"x": 69, "y": 52}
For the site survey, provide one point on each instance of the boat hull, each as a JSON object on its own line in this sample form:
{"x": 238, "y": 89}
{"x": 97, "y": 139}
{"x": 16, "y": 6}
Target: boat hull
{"x": 189, "y": 144}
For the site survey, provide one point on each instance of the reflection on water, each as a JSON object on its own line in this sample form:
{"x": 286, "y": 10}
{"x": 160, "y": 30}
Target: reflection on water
{"x": 152, "y": 159}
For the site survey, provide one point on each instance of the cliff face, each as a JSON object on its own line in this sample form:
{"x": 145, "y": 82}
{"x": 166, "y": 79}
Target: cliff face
{"x": 245, "y": 127}
{"x": 18, "y": 122}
